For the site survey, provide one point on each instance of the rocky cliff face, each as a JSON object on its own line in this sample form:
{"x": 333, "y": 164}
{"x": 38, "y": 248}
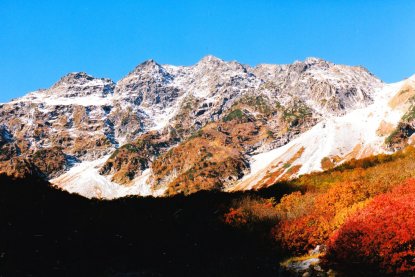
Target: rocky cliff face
{"x": 169, "y": 129}
{"x": 326, "y": 87}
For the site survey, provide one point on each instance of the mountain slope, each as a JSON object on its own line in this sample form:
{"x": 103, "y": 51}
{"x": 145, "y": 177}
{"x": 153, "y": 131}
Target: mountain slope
{"x": 358, "y": 134}
{"x": 116, "y": 139}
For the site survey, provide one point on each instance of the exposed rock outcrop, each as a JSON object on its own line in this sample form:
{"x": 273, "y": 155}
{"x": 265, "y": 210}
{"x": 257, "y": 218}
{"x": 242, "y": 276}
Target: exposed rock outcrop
{"x": 239, "y": 109}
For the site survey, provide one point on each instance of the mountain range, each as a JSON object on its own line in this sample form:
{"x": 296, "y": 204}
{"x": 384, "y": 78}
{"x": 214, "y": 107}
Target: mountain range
{"x": 216, "y": 125}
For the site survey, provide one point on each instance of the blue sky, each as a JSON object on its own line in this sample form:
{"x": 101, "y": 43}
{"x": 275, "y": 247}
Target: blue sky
{"x": 42, "y": 40}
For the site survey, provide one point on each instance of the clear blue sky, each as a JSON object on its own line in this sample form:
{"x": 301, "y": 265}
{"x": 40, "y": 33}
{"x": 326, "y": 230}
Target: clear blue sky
{"x": 42, "y": 40}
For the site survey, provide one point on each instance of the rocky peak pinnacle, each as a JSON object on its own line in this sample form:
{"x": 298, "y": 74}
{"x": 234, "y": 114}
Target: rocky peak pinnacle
{"x": 151, "y": 68}
{"x": 210, "y": 64}
{"x": 73, "y": 78}
{"x": 74, "y": 82}
{"x": 210, "y": 60}
{"x": 313, "y": 61}
{"x": 148, "y": 66}
{"x": 76, "y": 76}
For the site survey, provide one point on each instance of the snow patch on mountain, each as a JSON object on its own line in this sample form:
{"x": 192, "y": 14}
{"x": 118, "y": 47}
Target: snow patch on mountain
{"x": 84, "y": 179}
{"x": 42, "y": 97}
{"x": 161, "y": 118}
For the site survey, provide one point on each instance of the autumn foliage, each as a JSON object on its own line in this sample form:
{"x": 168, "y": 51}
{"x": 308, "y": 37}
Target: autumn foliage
{"x": 249, "y": 211}
{"x": 363, "y": 210}
{"x": 382, "y": 235}
{"x": 315, "y": 222}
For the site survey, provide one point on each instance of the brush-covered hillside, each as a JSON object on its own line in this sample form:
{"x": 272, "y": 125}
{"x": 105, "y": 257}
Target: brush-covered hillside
{"x": 356, "y": 219}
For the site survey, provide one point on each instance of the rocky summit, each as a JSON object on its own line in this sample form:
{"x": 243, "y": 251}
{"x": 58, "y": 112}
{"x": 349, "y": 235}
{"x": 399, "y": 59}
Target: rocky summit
{"x": 216, "y": 125}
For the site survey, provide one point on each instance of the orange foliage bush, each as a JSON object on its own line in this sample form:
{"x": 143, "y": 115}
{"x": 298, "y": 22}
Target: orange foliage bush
{"x": 325, "y": 215}
{"x": 381, "y": 235}
{"x": 378, "y": 172}
{"x": 249, "y": 210}
{"x": 368, "y": 161}
{"x": 294, "y": 205}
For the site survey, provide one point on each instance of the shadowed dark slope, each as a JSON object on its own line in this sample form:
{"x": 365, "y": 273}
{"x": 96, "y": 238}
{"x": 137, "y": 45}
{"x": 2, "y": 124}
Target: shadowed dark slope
{"x": 47, "y": 232}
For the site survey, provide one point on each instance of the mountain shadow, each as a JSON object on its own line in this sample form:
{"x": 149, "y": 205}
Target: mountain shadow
{"x": 48, "y": 232}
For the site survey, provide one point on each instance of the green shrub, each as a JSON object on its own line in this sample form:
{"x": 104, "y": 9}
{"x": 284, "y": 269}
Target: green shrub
{"x": 235, "y": 114}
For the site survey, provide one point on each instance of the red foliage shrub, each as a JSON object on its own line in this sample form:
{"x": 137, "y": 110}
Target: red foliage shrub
{"x": 381, "y": 235}
{"x": 302, "y": 234}
{"x": 235, "y": 217}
